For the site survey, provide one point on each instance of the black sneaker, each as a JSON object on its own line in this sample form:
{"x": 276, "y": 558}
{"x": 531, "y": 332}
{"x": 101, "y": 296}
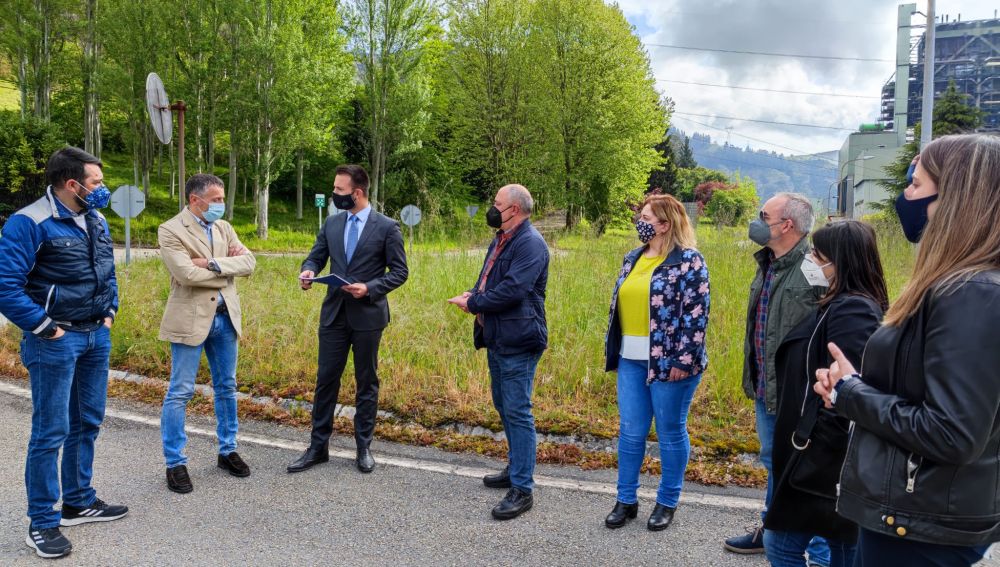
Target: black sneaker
{"x": 750, "y": 543}
{"x": 99, "y": 511}
{"x": 48, "y": 542}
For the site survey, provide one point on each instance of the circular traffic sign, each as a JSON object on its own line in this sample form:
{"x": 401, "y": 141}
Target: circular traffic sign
{"x": 410, "y": 215}
{"x": 158, "y": 106}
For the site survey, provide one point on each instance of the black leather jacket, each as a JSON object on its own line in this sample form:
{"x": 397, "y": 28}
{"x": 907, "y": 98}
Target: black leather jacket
{"x": 923, "y": 462}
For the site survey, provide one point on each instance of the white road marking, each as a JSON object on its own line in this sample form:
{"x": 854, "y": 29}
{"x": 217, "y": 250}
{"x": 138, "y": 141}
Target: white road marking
{"x": 689, "y": 497}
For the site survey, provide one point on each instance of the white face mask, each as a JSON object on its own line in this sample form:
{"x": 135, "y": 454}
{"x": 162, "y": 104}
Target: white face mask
{"x": 813, "y": 272}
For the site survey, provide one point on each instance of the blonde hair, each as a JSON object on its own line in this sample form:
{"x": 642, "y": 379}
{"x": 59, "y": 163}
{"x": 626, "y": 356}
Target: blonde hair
{"x": 963, "y": 237}
{"x": 669, "y": 210}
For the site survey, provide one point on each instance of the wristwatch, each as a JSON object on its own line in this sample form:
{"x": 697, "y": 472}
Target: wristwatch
{"x": 214, "y": 266}
{"x": 839, "y": 385}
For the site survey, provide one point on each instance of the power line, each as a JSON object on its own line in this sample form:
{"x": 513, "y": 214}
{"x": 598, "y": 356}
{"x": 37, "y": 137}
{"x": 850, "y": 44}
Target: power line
{"x": 767, "y": 90}
{"x": 766, "y": 121}
{"x": 796, "y": 150}
{"x": 785, "y": 19}
{"x": 793, "y": 55}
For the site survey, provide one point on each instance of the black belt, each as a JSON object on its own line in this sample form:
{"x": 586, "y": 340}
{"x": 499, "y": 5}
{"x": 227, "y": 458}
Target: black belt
{"x": 219, "y": 310}
{"x": 81, "y": 326}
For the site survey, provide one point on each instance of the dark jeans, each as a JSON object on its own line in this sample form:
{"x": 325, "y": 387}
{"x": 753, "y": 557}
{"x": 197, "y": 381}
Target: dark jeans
{"x": 878, "y": 550}
{"x": 335, "y": 342}
{"x": 788, "y": 549}
{"x": 512, "y": 377}
{"x": 69, "y": 387}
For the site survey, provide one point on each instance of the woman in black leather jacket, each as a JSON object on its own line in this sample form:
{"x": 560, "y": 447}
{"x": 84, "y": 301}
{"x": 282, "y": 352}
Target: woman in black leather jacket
{"x": 922, "y": 473}
{"x": 809, "y": 440}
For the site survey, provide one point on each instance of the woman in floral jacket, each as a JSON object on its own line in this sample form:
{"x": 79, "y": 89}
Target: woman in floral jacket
{"x": 656, "y": 342}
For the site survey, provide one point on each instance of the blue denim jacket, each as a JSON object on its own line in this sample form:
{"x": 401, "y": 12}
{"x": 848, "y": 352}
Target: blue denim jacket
{"x": 678, "y": 314}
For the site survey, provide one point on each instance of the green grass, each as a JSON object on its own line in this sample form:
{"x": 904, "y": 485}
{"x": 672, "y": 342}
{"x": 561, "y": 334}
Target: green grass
{"x": 10, "y": 98}
{"x": 429, "y": 370}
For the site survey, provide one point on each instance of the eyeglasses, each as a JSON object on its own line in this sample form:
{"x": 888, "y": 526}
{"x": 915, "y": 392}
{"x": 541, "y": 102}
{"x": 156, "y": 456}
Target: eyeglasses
{"x": 763, "y": 216}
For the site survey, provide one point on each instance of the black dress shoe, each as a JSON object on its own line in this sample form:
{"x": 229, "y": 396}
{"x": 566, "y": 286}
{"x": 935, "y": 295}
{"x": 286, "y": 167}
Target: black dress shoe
{"x": 621, "y": 514}
{"x": 498, "y": 480}
{"x": 515, "y": 503}
{"x": 234, "y": 464}
{"x": 365, "y": 461}
{"x": 660, "y": 518}
{"x": 311, "y": 457}
{"x": 178, "y": 480}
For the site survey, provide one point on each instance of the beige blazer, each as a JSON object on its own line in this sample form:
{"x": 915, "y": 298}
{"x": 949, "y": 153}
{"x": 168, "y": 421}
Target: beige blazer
{"x": 191, "y": 306}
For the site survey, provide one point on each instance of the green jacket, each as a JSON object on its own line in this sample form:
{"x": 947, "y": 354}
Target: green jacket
{"x": 792, "y": 298}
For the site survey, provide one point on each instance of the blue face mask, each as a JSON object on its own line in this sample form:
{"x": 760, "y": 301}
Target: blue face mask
{"x": 97, "y": 198}
{"x": 214, "y": 212}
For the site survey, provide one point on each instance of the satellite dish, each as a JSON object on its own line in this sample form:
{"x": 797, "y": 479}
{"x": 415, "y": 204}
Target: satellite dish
{"x": 158, "y": 106}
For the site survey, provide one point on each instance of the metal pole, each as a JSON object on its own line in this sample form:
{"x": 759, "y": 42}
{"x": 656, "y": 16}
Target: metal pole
{"x": 410, "y": 253}
{"x": 927, "y": 114}
{"x": 319, "y": 215}
{"x": 128, "y": 228}
{"x": 180, "y": 108}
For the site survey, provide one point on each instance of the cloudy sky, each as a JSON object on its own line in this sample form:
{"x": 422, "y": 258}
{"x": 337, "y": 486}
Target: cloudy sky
{"x": 853, "y": 29}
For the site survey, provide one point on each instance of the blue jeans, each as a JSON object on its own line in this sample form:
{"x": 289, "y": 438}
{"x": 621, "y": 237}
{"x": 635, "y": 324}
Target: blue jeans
{"x": 221, "y": 348}
{"x": 819, "y": 552}
{"x": 512, "y": 378}
{"x": 787, "y": 549}
{"x": 879, "y": 550}
{"x": 69, "y": 387}
{"x": 637, "y": 404}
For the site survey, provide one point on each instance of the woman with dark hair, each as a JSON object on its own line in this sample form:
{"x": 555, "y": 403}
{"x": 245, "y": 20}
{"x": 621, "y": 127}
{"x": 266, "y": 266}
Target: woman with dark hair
{"x": 809, "y": 440}
{"x": 921, "y": 473}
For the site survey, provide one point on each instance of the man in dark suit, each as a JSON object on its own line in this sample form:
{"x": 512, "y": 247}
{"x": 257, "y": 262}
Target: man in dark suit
{"x": 508, "y": 302}
{"x": 366, "y": 248}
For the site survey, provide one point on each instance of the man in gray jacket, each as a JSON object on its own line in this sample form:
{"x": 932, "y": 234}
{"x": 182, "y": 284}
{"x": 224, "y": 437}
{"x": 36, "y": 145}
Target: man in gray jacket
{"x": 780, "y": 297}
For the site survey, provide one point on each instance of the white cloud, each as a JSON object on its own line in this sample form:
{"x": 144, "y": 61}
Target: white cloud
{"x": 863, "y": 29}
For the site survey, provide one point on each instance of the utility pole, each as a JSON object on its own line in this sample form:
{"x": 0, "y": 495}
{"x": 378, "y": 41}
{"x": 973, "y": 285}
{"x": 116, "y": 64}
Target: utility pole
{"x": 902, "y": 90}
{"x": 927, "y": 114}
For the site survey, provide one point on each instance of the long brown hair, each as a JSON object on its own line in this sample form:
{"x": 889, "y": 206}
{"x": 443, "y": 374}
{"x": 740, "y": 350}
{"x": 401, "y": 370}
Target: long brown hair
{"x": 669, "y": 210}
{"x": 963, "y": 237}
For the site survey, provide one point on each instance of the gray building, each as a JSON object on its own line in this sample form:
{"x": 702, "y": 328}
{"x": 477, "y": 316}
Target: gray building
{"x": 967, "y": 53}
{"x": 863, "y": 159}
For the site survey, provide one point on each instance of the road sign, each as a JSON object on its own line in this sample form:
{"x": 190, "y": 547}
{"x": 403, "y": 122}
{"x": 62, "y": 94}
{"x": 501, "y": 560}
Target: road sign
{"x": 158, "y": 106}
{"x": 128, "y": 201}
{"x": 320, "y": 200}
{"x": 472, "y": 210}
{"x": 410, "y": 215}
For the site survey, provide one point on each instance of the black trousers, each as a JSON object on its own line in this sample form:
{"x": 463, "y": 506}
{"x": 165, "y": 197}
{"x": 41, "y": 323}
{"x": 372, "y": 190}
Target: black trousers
{"x": 878, "y": 550}
{"x": 335, "y": 342}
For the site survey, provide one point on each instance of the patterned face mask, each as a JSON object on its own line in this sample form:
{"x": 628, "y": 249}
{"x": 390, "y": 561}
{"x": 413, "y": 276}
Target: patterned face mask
{"x": 645, "y": 230}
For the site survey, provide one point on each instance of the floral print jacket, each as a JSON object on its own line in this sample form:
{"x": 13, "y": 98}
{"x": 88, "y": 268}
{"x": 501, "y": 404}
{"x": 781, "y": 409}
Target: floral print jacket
{"x": 678, "y": 314}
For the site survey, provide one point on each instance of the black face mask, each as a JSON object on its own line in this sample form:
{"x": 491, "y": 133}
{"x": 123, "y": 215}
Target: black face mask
{"x": 344, "y": 202}
{"x": 494, "y": 216}
{"x": 913, "y": 215}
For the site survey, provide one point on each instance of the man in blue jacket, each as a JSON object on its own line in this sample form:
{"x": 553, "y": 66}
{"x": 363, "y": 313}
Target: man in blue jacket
{"x": 57, "y": 283}
{"x": 508, "y": 301}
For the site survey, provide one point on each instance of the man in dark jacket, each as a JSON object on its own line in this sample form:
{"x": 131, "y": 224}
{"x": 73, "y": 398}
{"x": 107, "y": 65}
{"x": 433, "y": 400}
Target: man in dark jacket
{"x": 780, "y": 297}
{"x": 57, "y": 283}
{"x": 366, "y": 248}
{"x": 508, "y": 302}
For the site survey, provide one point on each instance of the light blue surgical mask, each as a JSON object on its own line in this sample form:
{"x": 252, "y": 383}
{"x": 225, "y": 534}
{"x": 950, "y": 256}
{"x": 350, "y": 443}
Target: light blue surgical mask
{"x": 214, "y": 212}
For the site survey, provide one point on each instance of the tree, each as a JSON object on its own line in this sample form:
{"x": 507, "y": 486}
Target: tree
{"x": 686, "y": 157}
{"x": 387, "y": 38}
{"x": 665, "y": 176}
{"x": 952, "y": 115}
{"x": 486, "y": 76}
{"x": 595, "y": 106}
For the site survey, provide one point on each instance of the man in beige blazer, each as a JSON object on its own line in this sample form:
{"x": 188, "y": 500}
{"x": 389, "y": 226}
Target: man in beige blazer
{"x": 203, "y": 255}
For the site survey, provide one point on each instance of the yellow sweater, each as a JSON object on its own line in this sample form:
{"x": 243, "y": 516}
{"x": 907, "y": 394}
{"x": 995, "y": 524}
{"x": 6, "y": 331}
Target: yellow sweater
{"x": 633, "y": 297}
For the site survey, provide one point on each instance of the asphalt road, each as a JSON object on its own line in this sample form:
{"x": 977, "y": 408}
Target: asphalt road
{"x": 419, "y": 507}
